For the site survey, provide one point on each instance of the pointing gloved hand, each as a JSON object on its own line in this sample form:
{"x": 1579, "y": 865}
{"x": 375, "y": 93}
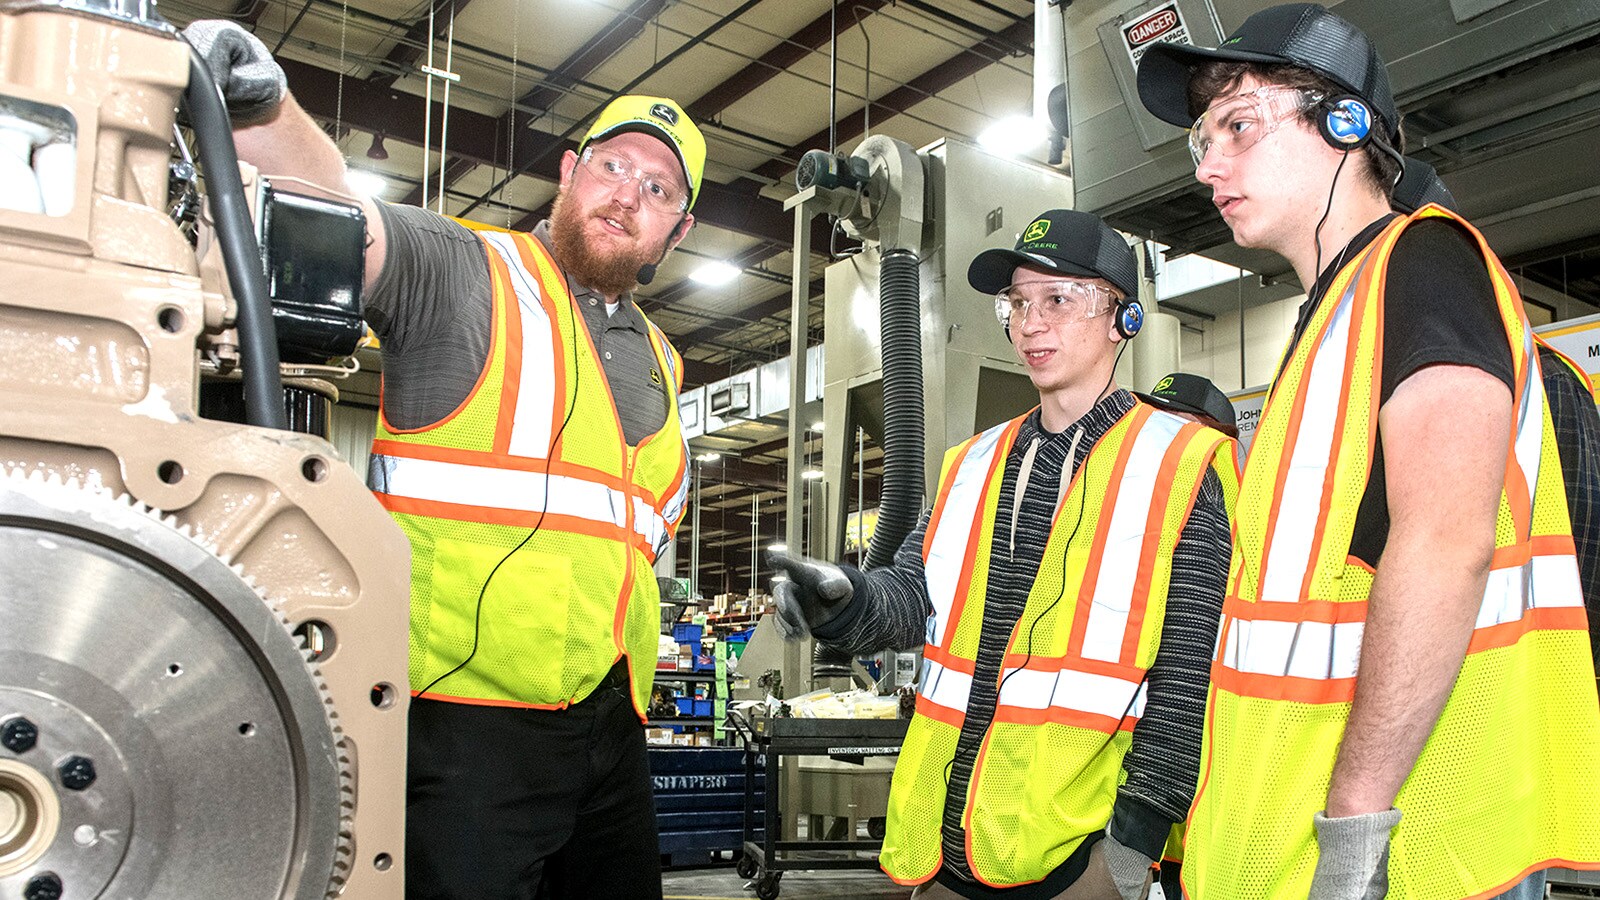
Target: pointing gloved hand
{"x": 814, "y": 593}
{"x": 252, "y": 82}
{"x": 1354, "y": 856}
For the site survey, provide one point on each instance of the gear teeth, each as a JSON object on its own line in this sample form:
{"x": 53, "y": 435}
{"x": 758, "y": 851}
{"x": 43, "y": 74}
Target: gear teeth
{"x": 31, "y": 480}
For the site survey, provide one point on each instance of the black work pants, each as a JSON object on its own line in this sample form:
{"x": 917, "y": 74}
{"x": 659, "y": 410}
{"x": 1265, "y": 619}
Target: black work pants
{"x": 531, "y": 804}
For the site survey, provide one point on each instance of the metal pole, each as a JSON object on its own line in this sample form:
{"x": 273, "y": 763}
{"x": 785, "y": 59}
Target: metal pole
{"x": 799, "y": 321}
{"x": 755, "y": 542}
{"x": 694, "y": 537}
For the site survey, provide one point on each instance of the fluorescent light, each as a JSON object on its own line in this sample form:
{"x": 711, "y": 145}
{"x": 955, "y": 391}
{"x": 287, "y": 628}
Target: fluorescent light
{"x": 811, "y": 474}
{"x": 1013, "y": 135}
{"x": 816, "y": 426}
{"x": 714, "y": 273}
{"x": 708, "y": 457}
{"x": 778, "y": 548}
{"x": 365, "y": 184}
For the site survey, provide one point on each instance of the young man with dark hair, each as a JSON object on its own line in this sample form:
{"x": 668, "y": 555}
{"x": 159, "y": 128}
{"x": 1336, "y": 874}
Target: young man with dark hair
{"x": 1065, "y": 588}
{"x": 1402, "y": 703}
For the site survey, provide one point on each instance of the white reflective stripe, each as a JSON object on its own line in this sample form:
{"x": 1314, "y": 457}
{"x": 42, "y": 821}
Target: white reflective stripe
{"x": 1301, "y": 649}
{"x": 945, "y": 686}
{"x": 511, "y": 489}
{"x": 1530, "y": 421}
{"x": 673, "y": 511}
{"x": 1119, "y": 562}
{"x": 1295, "y": 530}
{"x": 948, "y": 552}
{"x": 649, "y": 524}
{"x": 530, "y": 425}
{"x": 1545, "y": 582}
{"x": 1101, "y": 695}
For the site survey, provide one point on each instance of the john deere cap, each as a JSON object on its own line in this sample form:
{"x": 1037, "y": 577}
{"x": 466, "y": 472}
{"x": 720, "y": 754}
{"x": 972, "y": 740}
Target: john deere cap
{"x": 658, "y": 117}
{"x": 1296, "y": 34}
{"x": 1065, "y": 241}
{"x": 1182, "y": 392}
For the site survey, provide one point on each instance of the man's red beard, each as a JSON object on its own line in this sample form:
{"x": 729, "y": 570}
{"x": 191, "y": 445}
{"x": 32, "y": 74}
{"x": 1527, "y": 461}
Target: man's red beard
{"x": 611, "y": 272}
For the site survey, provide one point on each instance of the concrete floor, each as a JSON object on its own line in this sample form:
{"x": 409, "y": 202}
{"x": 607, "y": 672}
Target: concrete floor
{"x": 725, "y": 884}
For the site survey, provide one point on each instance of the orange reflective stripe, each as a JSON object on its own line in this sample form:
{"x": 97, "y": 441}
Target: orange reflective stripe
{"x": 501, "y": 461}
{"x": 1546, "y": 618}
{"x": 545, "y": 521}
{"x": 1091, "y": 575}
{"x": 1154, "y": 526}
{"x": 944, "y": 497}
{"x": 944, "y": 657}
{"x": 500, "y": 287}
{"x": 1283, "y": 687}
{"x": 1363, "y": 293}
{"x": 964, "y": 586}
{"x": 952, "y": 717}
{"x": 513, "y": 364}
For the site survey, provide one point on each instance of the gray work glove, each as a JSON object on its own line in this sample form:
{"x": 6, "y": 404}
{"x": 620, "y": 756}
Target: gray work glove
{"x": 1130, "y": 869}
{"x": 814, "y": 592}
{"x": 252, "y": 82}
{"x": 1354, "y": 856}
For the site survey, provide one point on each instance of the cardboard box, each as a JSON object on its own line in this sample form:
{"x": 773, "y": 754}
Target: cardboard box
{"x": 683, "y": 740}
{"x": 702, "y": 739}
{"x": 658, "y": 735}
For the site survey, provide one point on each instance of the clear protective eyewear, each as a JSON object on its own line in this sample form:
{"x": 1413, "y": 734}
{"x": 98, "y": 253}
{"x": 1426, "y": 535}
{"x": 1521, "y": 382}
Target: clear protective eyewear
{"x": 655, "y": 190}
{"x": 1236, "y": 124}
{"x": 1053, "y": 302}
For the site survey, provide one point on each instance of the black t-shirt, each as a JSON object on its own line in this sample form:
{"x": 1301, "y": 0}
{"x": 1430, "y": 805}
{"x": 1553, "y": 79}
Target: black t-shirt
{"x": 1438, "y": 308}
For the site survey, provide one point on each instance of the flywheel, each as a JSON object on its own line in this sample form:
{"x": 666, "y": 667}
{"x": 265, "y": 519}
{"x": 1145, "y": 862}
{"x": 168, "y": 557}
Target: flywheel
{"x": 161, "y": 732}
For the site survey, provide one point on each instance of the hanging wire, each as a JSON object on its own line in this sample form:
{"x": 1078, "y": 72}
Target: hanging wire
{"x": 338, "y": 100}
{"x": 866, "y": 92}
{"x": 508, "y": 187}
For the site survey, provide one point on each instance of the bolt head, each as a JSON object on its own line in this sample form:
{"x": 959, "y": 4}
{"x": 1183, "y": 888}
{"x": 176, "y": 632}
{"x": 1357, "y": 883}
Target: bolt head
{"x": 77, "y": 772}
{"x": 18, "y": 735}
{"x": 44, "y": 886}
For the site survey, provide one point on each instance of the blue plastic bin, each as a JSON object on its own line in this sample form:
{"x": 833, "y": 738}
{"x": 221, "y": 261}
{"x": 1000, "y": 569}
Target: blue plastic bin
{"x": 688, "y": 633}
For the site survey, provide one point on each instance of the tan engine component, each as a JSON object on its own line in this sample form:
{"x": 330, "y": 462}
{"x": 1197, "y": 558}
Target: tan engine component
{"x": 162, "y": 734}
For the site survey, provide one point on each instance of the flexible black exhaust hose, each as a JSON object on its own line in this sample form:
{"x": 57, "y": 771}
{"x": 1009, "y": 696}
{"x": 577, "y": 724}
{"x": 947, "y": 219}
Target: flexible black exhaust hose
{"x": 900, "y": 314}
{"x": 258, "y": 337}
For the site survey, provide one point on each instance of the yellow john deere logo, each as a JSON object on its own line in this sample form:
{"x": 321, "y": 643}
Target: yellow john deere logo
{"x": 1037, "y": 230}
{"x": 1162, "y": 385}
{"x": 655, "y": 376}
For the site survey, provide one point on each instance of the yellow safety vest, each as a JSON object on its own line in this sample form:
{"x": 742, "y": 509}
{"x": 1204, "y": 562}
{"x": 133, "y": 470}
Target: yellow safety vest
{"x": 532, "y": 474}
{"x": 1506, "y": 783}
{"x": 1072, "y": 681}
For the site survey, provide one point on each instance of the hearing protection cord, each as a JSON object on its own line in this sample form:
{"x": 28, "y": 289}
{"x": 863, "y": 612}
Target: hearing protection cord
{"x": 544, "y": 504}
{"x": 1028, "y": 655}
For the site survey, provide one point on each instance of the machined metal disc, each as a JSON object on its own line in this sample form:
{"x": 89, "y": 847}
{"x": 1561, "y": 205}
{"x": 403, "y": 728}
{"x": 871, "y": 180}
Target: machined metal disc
{"x": 215, "y": 767}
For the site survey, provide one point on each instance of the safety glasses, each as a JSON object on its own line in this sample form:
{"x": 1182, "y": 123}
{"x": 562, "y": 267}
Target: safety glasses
{"x": 1054, "y": 302}
{"x": 1236, "y": 124}
{"x": 655, "y": 190}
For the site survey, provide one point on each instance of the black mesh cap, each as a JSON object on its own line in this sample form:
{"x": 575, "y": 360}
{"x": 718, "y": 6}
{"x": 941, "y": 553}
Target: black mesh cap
{"x": 1182, "y": 392}
{"x": 1297, "y": 34}
{"x": 1419, "y": 185}
{"x": 1065, "y": 241}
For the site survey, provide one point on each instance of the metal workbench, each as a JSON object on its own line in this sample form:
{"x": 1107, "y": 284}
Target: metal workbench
{"x": 845, "y": 740}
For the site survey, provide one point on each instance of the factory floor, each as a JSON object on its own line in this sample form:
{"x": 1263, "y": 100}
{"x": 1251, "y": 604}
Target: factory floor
{"x": 725, "y": 884}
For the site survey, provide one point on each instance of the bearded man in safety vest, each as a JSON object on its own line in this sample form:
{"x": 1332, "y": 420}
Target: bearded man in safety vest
{"x": 1403, "y": 703}
{"x": 529, "y": 446}
{"x": 1065, "y": 588}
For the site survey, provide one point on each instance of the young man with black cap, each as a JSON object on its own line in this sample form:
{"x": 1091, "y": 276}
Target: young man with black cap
{"x": 1401, "y": 702}
{"x": 1065, "y": 588}
{"x": 529, "y": 446}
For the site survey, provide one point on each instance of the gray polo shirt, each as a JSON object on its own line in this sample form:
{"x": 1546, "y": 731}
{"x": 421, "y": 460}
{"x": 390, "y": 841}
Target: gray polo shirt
{"x": 431, "y": 306}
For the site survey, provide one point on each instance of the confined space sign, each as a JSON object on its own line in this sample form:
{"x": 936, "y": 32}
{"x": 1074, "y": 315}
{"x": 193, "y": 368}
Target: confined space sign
{"x": 1164, "y": 24}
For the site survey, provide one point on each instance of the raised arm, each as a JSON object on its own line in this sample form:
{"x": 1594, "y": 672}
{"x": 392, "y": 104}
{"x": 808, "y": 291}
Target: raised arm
{"x": 271, "y": 130}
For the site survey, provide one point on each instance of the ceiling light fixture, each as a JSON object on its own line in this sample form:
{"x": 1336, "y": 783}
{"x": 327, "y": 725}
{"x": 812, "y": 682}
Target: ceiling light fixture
{"x": 811, "y": 474}
{"x": 714, "y": 273}
{"x": 1013, "y": 135}
{"x": 364, "y": 183}
{"x": 377, "y": 150}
